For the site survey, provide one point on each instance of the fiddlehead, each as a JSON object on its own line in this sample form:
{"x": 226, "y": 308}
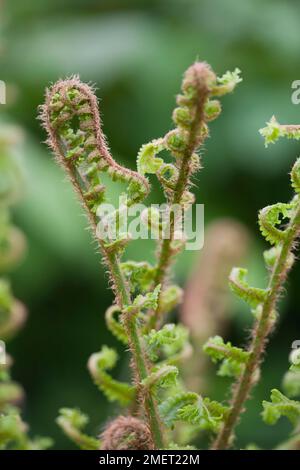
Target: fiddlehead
{"x": 279, "y": 261}
{"x": 71, "y": 118}
{"x": 72, "y": 421}
{"x": 195, "y": 109}
{"x": 126, "y": 433}
{"x": 114, "y": 390}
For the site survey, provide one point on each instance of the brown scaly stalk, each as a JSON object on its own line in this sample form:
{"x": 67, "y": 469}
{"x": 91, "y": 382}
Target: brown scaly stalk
{"x": 285, "y": 243}
{"x": 71, "y": 118}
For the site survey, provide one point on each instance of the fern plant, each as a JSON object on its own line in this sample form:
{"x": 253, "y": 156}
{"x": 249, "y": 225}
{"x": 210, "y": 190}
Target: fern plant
{"x": 156, "y": 402}
{"x": 143, "y": 293}
{"x": 280, "y": 225}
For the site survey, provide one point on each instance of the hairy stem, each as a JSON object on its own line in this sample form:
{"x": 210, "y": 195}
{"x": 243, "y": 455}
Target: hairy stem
{"x": 194, "y": 140}
{"x": 260, "y": 335}
{"x": 71, "y": 101}
{"x": 124, "y": 299}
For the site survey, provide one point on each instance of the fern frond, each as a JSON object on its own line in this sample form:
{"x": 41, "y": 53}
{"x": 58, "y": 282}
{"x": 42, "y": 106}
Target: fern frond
{"x": 280, "y": 406}
{"x": 140, "y": 274}
{"x": 233, "y": 358}
{"x": 164, "y": 376}
{"x": 143, "y": 302}
{"x": 113, "y": 389}
{"x": 168, "y": 340}
{"x": 147, "y": 162}
{"x": 295, "y": 176}
{"x": 191, "y": 408}
{"x": 238, "y": 284}
{"x": 273, "y": 131}
{"x": 271, "y": 216}
{"x": 114, "y": 326}
{"x": 170, "y": 407}
{"x": 72, "y": 421}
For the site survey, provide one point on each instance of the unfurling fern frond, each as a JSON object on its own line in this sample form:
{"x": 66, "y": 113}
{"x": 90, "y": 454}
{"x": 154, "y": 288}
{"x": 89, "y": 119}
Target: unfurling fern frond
{"x": 233, "y": 358}
{"x": 164, "y": 376}
{"x": 168, "y": 341}
{"x": 139, "y": 274}
{"x": 279, "y": 406}
{"x": 147, "y": 162}
{"x": 143, "y": 302}
{"x": 273, "y": 131}
{"x": 170, "y": 407}
{"x": 72, "y": 421}
{"x": 114, "y": 325}
{"x": 238, "y": 284}
{"x": 113, "y": 389}
{"x": 271, "y": 216}
{"x": 191, "y": 408}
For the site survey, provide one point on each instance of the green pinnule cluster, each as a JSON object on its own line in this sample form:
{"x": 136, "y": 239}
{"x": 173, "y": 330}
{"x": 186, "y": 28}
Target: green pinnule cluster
{"x": 14, "y": 433}
{"x": 71, "y": 118}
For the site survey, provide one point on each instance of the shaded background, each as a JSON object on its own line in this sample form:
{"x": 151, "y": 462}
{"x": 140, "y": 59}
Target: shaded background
{"x": 136, "y": 52}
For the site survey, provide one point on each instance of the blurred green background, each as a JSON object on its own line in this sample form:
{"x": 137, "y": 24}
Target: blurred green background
{"x": 136, "y": 51}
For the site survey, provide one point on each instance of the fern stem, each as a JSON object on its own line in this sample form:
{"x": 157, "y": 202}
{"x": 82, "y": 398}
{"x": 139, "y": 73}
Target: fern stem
{"x": 123, "y": 296}
{"x": 140, "y": 363}
{"x": 260, "y": 335}
{"x": 141, "y": 369}
{"x": 83, "y": 185}
{"x": 193, "y": 142}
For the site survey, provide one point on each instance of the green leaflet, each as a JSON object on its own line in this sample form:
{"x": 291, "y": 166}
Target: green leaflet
{"x": 279, "y": 406}
{"x": 295, "y": 176}
{"x": 140, "y": 274}
{"x": 237, "y": 283}
{"x": 291, "y": 383}
{"x": 143, "y": 302}
{"x": 271, "y": 216}
{"x": 191, "y": 408}
{"x": 114, "y": 390}
{"x": 71, "y": 118}
{"x": 170, "y": 407}
{"x": 227, "y": 83}
{"x": 114, "y": 326}
{"x": 206, "y": 414}
{"x": 164, "y": 376}
{"x": 72, "y": 421}
{"x": 168, "y": 341}
{"x": 272, "y": 255}
{"x": 233, "y": 358}
{"x": 147, "y": 162}
{"x": 273, "y": 131}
